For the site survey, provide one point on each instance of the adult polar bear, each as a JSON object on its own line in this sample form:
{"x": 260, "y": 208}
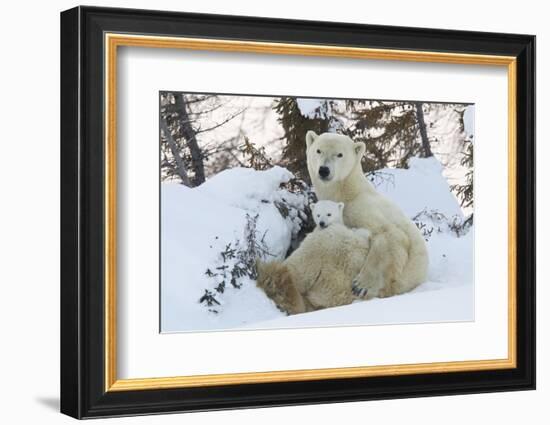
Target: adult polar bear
{"x": 398, "y": 259}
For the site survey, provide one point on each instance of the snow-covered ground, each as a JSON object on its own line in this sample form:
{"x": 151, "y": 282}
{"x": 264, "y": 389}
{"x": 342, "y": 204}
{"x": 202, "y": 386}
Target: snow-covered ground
{"x": 198, "y": 224}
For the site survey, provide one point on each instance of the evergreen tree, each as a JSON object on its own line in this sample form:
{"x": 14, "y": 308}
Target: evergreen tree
{"x": 465, "y": 191}
{"x": 295, "y": 126}
{"x": 393, "y": 132}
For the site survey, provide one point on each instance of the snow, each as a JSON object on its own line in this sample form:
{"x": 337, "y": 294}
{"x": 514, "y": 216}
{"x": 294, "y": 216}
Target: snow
{"x": 451, "y": 305}
{"x": 469, "y": 122}
{"x": 447, "y": 136}
{"x": 419, "y": 187}
{"x": 244, "y": 187}
{"x": 309, "y": 107}
{"x": 196, "y": 224}
{"x": 321, "y": 108}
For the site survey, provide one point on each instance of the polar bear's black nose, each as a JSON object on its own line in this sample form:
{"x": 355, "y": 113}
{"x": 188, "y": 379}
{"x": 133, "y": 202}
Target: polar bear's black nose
{"x": 322, "y": 224}
{"x": 324, "y": 171}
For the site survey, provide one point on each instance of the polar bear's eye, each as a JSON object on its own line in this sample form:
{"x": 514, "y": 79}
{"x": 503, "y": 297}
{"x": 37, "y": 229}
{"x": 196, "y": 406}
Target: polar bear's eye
{"x": 340, "y": 155}
{"x": 318, "y": 151}
{"x": 329, "y": 214}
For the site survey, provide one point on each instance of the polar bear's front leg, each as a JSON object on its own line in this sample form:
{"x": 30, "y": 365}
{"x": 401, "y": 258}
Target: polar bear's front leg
{"x": 383, "y": 266}
{"x": 370, "y": 279}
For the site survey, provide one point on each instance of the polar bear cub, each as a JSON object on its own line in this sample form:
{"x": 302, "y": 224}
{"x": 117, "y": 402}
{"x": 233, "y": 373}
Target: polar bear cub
{"x": 326, "y": 213}
{"x": 319, "y": 273}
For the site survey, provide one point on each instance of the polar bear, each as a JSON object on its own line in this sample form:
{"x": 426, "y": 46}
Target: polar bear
{"x": 319, "y": 273}
{"x": 326, "y": 213}
{"x": 398, "y": 259}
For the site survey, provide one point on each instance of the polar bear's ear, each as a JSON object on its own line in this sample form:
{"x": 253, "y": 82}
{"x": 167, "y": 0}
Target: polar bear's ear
{"x": 341, "y": 206}
{"x": 310, "y": 138}
{"x": 360, "y": 148}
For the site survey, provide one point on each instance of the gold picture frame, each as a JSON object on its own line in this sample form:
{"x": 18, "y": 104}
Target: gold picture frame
{"x": 114, "y": 41}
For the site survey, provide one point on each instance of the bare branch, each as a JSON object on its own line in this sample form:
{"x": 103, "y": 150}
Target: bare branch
{"x": 221, "y": 123}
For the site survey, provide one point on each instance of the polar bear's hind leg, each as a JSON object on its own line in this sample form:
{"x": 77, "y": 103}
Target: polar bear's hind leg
{"x": 277, "y": 282}
{"x": 383, "y": 267}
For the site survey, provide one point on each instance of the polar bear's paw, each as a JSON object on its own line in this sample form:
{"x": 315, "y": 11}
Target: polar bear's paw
{"x": 366, "y": 285}
{"x": 358, "y": 289}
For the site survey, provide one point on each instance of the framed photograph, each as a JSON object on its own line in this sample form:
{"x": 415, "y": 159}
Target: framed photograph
{"x": 261, "y": 212}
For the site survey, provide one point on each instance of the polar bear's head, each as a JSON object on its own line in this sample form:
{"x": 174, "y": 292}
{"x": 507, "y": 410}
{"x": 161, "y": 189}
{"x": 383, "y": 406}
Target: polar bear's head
{"x": 332, "y": 157}
{"x": 326, "y": 213}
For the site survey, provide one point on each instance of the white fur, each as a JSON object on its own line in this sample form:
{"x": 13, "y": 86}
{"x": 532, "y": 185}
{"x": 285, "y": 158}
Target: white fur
{"x": 319, "y": 273}
{"x": 326, "y": 213}
{"x": 398, "y": 259}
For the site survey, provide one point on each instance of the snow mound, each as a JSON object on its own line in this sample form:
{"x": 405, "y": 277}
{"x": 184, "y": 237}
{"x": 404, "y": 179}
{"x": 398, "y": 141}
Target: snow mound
{"x": 420, "y": 187}
{"x": 196, "y": 225}
{"x": 244, "y": 187}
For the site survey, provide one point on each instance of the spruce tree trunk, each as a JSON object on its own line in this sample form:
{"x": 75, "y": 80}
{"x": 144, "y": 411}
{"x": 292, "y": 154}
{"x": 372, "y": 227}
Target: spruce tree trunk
{"x": 190, "y": 136}
{"x": 295, "y": 127}
{"x": 427, "y": 151}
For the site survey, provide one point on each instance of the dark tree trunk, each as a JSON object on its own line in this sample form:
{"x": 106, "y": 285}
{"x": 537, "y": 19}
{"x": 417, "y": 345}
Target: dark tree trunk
{"x": 180, "y": 166}
{"x": 190, "y": 136}
{"x": 427, "y": 151}
{"x": 295, "y": 127}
